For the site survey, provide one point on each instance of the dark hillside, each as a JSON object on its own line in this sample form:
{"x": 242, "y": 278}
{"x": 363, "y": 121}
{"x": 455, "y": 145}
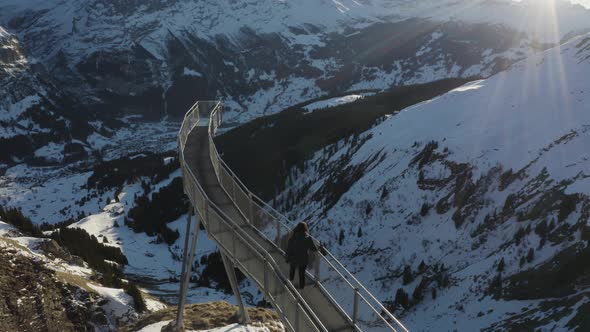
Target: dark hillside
{"x": 271, "y": 145}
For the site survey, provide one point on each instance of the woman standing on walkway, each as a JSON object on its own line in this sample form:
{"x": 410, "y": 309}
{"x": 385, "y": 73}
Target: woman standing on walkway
{"x": 300, "y": 243}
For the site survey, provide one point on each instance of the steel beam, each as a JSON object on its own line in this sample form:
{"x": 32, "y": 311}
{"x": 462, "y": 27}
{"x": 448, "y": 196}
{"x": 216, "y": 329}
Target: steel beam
{"x": 187, "y": 267}
{"x": 231, "y": 275}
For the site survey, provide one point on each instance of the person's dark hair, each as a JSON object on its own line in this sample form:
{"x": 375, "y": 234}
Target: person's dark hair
{"x": 301, "y": 228}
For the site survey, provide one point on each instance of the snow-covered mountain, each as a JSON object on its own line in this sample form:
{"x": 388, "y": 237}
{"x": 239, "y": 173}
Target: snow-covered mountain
{"x": 157, "y": 57}
{"x": 469, "y": 182}
{"x": 85, "y": 63}
{"x": 36, "y": 118}
{"x": 476, "y": 203}
{"x": 73, "y": 68}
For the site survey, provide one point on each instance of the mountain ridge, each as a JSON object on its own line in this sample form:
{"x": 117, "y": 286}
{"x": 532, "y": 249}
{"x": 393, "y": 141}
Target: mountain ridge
{"x": 425, "y": 207}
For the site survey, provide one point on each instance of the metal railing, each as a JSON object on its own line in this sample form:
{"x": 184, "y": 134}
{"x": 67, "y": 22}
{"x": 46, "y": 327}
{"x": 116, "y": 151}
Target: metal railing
{"x": 243, "y": 250}
{"x": 363, "y": 310}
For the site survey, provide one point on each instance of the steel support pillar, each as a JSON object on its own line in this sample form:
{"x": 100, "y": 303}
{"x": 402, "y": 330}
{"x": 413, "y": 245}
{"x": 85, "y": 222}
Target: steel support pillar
{"x": 187, "y": 267}
{"x": 231, "y": 275}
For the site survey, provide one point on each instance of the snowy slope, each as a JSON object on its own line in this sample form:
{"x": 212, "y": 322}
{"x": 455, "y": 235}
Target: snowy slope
{"x": 263, "y": 56}
{"x": 227, "y": 18}
{"x": 509, "y": 118}
{"x": 152, "y": 265}
{"x": 35, "y": 117}
{"x": 14, "y": 69}
{"x": 331, "y": 102}
{"x": 494, "y": 170}
{"x": 156, "y": 327}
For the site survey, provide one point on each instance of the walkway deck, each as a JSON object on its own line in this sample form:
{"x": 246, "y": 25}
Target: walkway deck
{"x": 197, "y": 157}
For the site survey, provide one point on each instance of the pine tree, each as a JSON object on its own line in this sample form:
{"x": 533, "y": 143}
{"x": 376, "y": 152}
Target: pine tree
{"x": 501, "y": 265}
{"x": 542, "y": 228}
{"x": 424, "y": 209}
{"x": 585, "y": 233}
{"x": 384, "y": 193}
{"x": 407, "y": 275}
{"x": 417, "y": 295}
{"x": 542, "y": 242}
{"x": 402, "y": 298}
{"x": 433, "y": 293}
{"x": 445, "y": 282}
{"x": 530, "y": 255}
{"x": 422, "y": 267}
{"x": 496, "y": 285}
{"x": 16, "y": 218}
{"x": 519, "y": 235}
{"x": 360, "y": 232}
{"x": 138, "y": 301}
{"x": 368, "y": 209}
{"x": 341, "y": 237}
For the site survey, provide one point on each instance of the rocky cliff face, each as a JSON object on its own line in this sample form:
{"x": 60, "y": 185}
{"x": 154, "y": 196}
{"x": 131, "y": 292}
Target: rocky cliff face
{"x": 46, "y": 288}
{"x": 35, "y": 299}
{"x": 35, "y": 113}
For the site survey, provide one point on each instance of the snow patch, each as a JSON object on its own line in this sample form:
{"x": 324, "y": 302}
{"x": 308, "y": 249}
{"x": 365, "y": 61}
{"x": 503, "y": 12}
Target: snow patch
{"x": 190, "y": 72}
{"x": 334, "y": 101}
{"x": 156, "y": 327}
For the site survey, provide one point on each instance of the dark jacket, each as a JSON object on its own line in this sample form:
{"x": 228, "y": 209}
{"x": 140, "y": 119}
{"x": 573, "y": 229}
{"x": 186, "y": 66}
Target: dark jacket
{"x": 298, "y": 248}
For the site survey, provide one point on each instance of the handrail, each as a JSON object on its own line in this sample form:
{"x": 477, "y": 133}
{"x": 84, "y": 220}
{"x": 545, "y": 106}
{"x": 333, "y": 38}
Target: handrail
{"x": 245, "y": 238}
{"x": 327, "y": 253}
{"x": 235, "y": 227}
{"x": 360, "y": 292}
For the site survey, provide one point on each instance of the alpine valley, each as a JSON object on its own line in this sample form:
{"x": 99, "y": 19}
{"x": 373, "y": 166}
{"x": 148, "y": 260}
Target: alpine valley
{"x": 439, "y": 148}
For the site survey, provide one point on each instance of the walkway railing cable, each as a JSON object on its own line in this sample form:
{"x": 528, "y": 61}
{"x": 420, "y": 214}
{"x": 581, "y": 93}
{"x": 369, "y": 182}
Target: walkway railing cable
{"x": 362, "y": 308}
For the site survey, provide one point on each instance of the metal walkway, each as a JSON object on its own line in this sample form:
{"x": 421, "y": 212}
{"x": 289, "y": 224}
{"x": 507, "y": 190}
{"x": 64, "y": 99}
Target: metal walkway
{"x": 252, "y": 237}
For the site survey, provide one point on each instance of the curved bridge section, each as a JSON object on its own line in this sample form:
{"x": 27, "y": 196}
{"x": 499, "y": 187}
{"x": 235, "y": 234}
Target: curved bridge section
{"x": 252, "y": 236}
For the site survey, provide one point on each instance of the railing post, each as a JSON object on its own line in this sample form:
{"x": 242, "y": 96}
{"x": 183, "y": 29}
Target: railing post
{"x": 278, "y": 239}
{"x": 355, "y": 309}
{"x": 206, "y": 215}
{"x": 251, "y": 209}
{"x": 297, "y": 316}
{"x": 179, "y": 314}
{"x": 317, "y": 266}
{"x": 266, "y": 290}
{"x": 233, "y": 188}
{"x": 186, "y": 278}
{"x": 218, "y": 166}
{"x": 231, "y": 275}
{"x": 233, "y": 244}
